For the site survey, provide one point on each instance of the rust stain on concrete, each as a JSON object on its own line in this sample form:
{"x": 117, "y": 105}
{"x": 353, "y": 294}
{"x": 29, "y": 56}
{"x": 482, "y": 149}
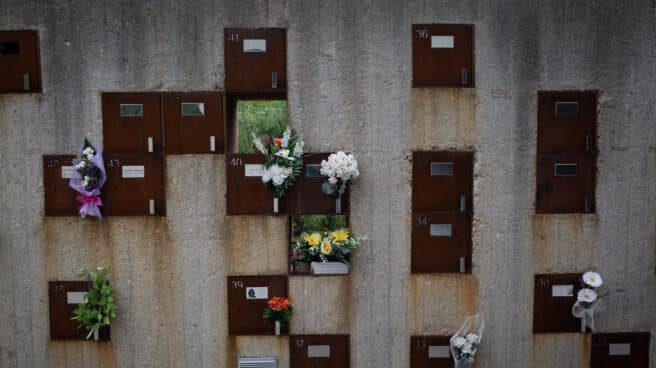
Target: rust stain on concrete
{"x": 443, "y": 117}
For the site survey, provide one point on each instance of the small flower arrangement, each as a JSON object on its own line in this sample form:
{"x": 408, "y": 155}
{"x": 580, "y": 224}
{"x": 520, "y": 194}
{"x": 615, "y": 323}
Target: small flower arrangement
{"x": 100, "y": 308}
{"x": 283, "y": 160}
{"x": 278, "y": 310}
{"x": 588, "y": 300}
{"x": 465, "y": 342}
{"x": 87, "y": 179}
{"x": 328, "y": 246}
{"x": 339, "y": 168}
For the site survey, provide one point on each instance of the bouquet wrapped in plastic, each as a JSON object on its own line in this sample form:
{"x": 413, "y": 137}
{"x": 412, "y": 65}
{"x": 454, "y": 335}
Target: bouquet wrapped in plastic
{"x": 87, "y": 179}
{"x": 465, "y": 342}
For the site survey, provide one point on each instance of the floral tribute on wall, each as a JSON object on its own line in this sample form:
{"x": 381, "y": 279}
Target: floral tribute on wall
{"x": 87, "y": 179}
{"x": 283, "y": 160}
{"x": 278, "y": 310}
{"x": 339, "y": 168}
{"x": 465, "y": 342}
{"x": 100, "y": 308}
{"x": 325, "y": 247}
{"x": 589, "y": 300}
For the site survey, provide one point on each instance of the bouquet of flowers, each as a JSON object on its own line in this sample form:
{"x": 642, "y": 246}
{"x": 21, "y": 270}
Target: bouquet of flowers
{"x": 340, "y": 168}
{"x": 465, "y": 342}
{"x": 283, "y": 160}
{"x": 87, "y": 179}
{"x": 328, "y": 246}
{"x": 100, "y": 308}
{"x": 588, "y": 300}
{"x": 279, "y": 310}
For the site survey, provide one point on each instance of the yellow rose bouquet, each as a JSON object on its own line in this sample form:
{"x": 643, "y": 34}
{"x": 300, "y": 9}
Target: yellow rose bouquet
{"x": 328, "y": 245}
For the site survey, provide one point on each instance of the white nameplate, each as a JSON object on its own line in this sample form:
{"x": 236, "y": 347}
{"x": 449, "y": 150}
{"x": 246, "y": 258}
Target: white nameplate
{"x": 619, "y": 349}
{"x": 258, "y": 45}
{"x": 439, "y": 352}
{"x": 318, "y": 351}
{"x": 253, "y": 170}
{"x": 76, "y": 297}
{"x": 562, "y": 290}
{"x": 442, "y": 42}
{"x": 134, "y": 171}
{"x": 441, "y": 230}
{"x": 257, "y": 292}
{"x": 66, "y": 172}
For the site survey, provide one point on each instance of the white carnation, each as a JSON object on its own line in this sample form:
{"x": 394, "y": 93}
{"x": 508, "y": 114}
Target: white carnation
{"x": 458, "y": 342}
{"x": 592, "y": 279}
{"x": 473, "y": 338}
{"x": 332, "y": 180}
{"x": 467, "y": 348}
{"x": 586, "y": 295}
{"x": 341, "y": 166}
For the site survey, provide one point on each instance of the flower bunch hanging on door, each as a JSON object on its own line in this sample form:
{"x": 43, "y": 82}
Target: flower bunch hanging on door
{"x": 339, "y": 168}
{"x": 283, "y": 160}
{"x": 87, "y": 179}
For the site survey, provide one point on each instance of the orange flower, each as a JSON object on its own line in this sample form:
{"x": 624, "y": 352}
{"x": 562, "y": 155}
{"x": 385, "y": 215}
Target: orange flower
{"x": 277, "y": 141}
{"x": 278, "y": 304}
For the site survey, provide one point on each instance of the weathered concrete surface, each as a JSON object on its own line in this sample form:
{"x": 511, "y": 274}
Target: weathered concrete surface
{"x": 349, "y": 88}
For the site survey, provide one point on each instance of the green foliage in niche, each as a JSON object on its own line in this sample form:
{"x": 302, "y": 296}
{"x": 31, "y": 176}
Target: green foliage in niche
{"x": 317, "y": 223}
{"x": 100, "y": 307}
{"x": 255, "y": 116}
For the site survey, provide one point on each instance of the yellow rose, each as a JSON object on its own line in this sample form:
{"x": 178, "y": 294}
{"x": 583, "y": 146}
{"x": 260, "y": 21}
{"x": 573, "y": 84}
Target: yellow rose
{"x": 313, "y": 239}
{"x": 340, "y": 235}
{"x": 326, "y": 248}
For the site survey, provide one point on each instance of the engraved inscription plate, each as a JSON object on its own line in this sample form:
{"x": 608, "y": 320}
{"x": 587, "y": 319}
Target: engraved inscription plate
{"x": 257, "y": 292}
{"x": 565, "y": 169}
{"x": 66, "y": 172}
{"x": 76, "y": 297}
{"x": 253, "y": 170}
{"x": 562, "y": 290}
{"x": 133, "y": 171}
{"x": 567, "y": 108}
{"x": 131, "y": 110}
{"x": 439, "y": 351}
{"x": 318, "y": 351}
{"x": 619, "y": 349}
{"x": 441, "y": 230}
{"x": 441, "y": 168}
{"x": 313, "y": 170}
{"x": 442, "y": 42}
{"x": 193, "y": 109}
{"x": 257, "y": 45}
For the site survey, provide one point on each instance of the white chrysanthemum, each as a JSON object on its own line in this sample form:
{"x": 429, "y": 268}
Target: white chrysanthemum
{"x": 81, "y": 165}
{"x": 586, "y": 295}
{"x": 286, "y": 136}
{"x": 332, "y": 180}
{"x": 88, "y": 151}
{"x": 473, "y": 338}
{"x": 459, "y": 342}
{"x": 592, "y": 279}
{"x": 467, "y": 348}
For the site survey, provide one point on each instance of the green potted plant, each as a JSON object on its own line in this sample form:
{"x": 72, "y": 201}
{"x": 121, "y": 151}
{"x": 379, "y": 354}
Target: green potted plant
{"x": 99, "y": 307}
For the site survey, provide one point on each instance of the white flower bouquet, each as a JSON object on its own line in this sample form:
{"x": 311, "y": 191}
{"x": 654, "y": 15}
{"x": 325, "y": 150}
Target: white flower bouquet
{"x": 465, "y": 342}
{"x": 588, "y": 300}
{"x": 339, "y": 168}
{"x": 283, "y": 160}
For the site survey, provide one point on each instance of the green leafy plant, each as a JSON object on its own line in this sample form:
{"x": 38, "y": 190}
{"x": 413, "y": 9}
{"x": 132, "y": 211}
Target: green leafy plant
{"x": 100, "y": 308}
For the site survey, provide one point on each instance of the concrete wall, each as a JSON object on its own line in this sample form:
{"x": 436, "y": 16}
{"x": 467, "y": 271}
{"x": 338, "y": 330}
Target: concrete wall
{"x": 349, "y": 66}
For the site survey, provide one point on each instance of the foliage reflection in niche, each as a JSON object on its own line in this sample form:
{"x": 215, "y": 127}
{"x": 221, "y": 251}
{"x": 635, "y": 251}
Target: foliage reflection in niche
{"x": 258, "y": 117}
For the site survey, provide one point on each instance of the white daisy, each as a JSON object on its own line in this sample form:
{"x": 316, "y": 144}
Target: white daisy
{"x": 586, "y": 295}
{"x": 592, "y": 279}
